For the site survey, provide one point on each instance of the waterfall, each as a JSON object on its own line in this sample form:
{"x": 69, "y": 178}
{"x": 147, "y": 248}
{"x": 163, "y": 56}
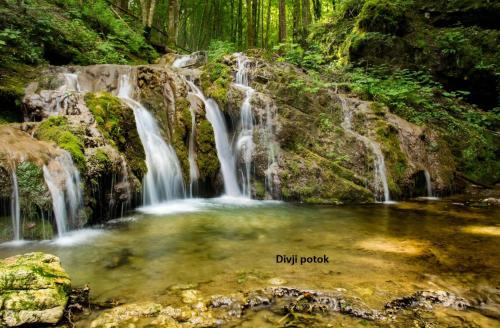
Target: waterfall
{"x": 222, "y": 144}
{"x": 71, "y": 82}
{"x": 181, "y": 61}
{"x": 381, "y": 184}
{"x": 244, "y": 143}
{"x": 15, "y": 208}
{"x": 272, "y": 156}
{"x": 63, "y": 180}
{"x": 163, "y": 180}
{"x": 428, "y": 183}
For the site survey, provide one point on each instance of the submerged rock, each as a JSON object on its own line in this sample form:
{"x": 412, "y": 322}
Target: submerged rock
{"x": 34, "y": 289}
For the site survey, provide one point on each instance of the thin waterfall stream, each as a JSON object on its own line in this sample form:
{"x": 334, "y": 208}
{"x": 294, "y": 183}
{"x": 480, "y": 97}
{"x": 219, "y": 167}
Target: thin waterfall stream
{"x": 15, "y": 208}
{"x": 381, "y": 184}
{"x": 244, "y": 143}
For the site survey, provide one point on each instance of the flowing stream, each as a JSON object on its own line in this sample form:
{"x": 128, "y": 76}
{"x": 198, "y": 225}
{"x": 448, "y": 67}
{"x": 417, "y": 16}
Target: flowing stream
{"x": 63, "y": 180}
{"x": 164, "y": 180}
{"x": 381, "y": 184}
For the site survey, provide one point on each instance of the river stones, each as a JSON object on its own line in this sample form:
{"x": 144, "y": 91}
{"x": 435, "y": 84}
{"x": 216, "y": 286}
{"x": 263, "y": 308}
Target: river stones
{"x": 34, "y": 289}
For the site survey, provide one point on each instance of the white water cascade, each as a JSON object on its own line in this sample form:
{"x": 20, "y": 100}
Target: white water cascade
{"x": 222, "y": 144}
{"x": 163, "y": 180}
{"x": 181, "y": 61}
{"x": 71, "y": 82}
{"x": 381, "y": 184}
{"x": 15, "y": 208}
{"x": 244, "y": 143}
{"x": 63, "y": 180}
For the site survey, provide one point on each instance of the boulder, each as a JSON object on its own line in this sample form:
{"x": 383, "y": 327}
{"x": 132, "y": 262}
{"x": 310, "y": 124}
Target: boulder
{"x": 34, "y": 289}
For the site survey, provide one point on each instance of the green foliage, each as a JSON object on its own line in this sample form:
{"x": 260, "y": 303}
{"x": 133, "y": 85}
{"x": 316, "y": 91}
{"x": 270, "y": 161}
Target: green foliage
{"x": 68, "y": 31}
{"x": 294, "y": 54}
{"x": 57, "y": 129}
{"x": 217, "y": 49}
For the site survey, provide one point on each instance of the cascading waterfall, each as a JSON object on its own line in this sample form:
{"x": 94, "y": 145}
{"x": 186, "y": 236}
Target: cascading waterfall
{"x": 222, "y": 144}
{"x": 15, "y": 208}
{"x": 244, "y": 143}
{"x": 381, "y": 183}
{"x": 181, "y": 61}
{"x": 163, "y": 181}
{"x": 63, "y": 180}
{"x": 71, "y": 82}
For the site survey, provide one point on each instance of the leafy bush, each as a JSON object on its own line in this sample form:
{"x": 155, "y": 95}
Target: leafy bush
{"x": 218, "y": 49}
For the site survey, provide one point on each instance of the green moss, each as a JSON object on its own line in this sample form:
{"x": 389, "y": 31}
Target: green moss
{"x": 207, "y": 160}
{"x": 215, "y": 81}
{"x": 32, "y": 190}
{"x": 385, "y": 16}
{"x": 57, "y": 129}
{"x": 313, "y": 179}
{"x": 117, "y": 123}
{"x": 396, "y": 161}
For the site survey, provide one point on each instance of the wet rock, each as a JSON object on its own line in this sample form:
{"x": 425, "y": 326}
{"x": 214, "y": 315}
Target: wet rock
{"x": 491, "y": 202}
{"x": 34, "y": 289}
{"x": 121, "y": 315}
{"x": 191, "y": 296}
{"x": 427, "y": 299}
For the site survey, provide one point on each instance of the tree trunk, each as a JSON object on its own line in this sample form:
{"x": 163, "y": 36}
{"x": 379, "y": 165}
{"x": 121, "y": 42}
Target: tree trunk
{"x": 297, "y": 15}
{"x": 282, "y": 22}
{"x": 240, "y": 23}
{"x": 173, "y": 21}
{"x": 151, "y": 13}
{"x": 268, "y": 23}
{"x": 255, "y": 20}
{"x": 250, "y": 26}
{"x": 306, "y": 17}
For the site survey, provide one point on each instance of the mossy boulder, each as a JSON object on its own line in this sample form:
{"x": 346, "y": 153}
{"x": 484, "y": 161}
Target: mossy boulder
{"x": 34, "y": 290}
{"x": 116, "y": 122}
{"x": 215, "y": 81}
{"x": 58, "y": 130}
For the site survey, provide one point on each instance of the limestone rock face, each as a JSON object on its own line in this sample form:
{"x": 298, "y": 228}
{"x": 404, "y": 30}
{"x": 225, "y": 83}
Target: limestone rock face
{"x": 34, "y": 289}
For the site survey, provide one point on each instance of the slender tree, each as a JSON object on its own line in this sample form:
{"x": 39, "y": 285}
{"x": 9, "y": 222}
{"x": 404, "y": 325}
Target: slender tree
{"x": 282, "y": 21}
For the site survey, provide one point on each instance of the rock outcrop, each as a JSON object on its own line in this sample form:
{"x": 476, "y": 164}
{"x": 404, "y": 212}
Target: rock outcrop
{"x": 34, "y": 289}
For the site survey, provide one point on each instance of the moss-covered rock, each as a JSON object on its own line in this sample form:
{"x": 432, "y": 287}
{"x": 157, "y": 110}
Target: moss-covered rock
{"x": 207, "y": 160}
{"x": 57, "y": 129}
{"x": 215, "y": 81}
{"x": 34, "y": 290}
{"x": 117, "y": 124}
